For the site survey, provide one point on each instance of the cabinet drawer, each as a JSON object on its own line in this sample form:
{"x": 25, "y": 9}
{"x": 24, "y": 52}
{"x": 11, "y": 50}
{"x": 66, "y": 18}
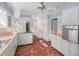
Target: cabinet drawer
{"x": 74, "y": 49}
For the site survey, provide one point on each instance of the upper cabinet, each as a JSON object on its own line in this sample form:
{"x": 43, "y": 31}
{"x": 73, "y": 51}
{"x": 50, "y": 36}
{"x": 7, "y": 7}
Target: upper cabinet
{"x": 70, "y": 16}
{"x": 3, "y": 19}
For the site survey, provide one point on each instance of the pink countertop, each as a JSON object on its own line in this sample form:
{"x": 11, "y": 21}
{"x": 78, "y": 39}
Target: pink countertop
{"x": 6, "y": 36}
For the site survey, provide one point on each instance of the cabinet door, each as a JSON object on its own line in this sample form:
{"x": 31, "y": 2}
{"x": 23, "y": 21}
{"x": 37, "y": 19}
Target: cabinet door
{"x": 70, "y": 16}
{"x": 67, "y": 17}
{"x": 29, "y": 38}
{"x": 75, "y": 16}
{"x": 58, "y": 44}
{"x": 21, "y": 39}
{"x": 13, "y": 46}
{"x": 25, "y": 39}
{"x": 10, "y": 48}
{"x": 65, "y": 47}
{"x": 5, "y": 52}
{"x": 74, "y": 49}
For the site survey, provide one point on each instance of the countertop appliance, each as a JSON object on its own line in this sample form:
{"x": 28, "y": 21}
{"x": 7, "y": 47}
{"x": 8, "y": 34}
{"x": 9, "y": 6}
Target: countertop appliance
{"x": 71, "y": 33}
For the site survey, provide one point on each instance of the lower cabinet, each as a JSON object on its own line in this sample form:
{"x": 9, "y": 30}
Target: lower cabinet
{"x": 11, "y": 48}
{"x": 74, "y": 49}
{"x": 59, "y": 44}
{"x": 56, "y": 42}
{"x": 25, "y": 38}
{"x": 65, "y": 47}
{"x": 70, "y": 49}
{"x": 6, "y": 52}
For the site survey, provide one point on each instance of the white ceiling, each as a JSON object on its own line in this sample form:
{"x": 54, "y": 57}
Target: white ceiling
{"x": 32, "y": 6}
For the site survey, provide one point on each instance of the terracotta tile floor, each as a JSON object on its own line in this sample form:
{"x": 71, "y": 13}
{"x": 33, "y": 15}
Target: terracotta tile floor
{"x": 39, "y": 47}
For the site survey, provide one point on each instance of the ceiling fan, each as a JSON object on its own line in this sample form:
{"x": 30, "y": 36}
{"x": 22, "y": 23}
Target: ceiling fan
{"x": 42, "y": 6}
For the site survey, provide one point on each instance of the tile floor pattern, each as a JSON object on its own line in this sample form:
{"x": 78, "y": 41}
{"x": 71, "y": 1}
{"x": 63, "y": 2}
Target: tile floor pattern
{"x": 39, "y": 47}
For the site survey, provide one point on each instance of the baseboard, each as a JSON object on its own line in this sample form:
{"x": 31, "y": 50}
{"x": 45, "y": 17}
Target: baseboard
{"x": 58, "y": 51}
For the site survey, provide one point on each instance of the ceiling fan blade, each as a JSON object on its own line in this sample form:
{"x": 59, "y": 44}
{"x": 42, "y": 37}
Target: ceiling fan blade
{"x": 42, "y": 7}
{"x": 42, "y": 3}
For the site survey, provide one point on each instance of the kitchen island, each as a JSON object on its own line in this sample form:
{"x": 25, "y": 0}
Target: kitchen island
{"x": 25, "y": 38}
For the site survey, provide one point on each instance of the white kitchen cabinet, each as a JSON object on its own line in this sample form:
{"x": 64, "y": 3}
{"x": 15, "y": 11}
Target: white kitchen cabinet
{"x": 65, "y": 47}
{"x": 70, "y": 49}
{"x": 56, "y": 42}
{"x": 25, "y": 38}
{"x": 10, "y": 48}
{"x": 74, "y": 49}
{"x": 6, "y": 52}
{"x": 65, "y": 17}
{"x": 3, "y": 19}
{"x": 59, "y": 44}
{"x": 13, "y": 46}
{"x": 70, "y": 16}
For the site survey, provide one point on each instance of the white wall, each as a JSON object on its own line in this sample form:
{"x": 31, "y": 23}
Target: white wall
{"x": 38, "y": 27}
{"x": 45, "y": 31}
{"x": 42, "y": 28}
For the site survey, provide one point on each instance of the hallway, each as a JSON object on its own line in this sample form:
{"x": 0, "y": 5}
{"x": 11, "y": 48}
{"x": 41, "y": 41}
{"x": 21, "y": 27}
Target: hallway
{"x": 38, "y": 48}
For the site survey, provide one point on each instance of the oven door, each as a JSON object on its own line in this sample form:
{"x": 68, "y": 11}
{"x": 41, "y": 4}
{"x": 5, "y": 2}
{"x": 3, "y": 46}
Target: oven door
{"x": 70, "y": 35}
